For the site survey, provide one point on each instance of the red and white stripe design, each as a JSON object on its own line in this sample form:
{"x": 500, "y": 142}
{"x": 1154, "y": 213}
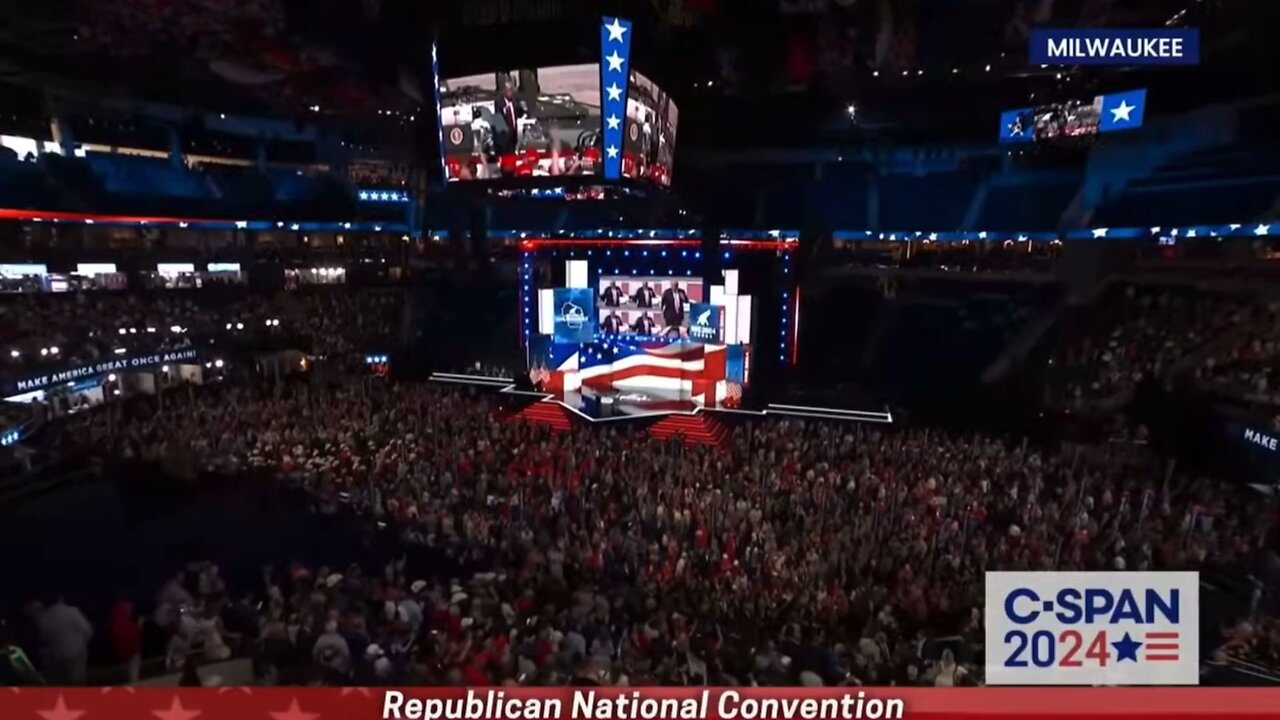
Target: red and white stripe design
{"x": 694, "y": 371}
{"x": 1161, "y": 647}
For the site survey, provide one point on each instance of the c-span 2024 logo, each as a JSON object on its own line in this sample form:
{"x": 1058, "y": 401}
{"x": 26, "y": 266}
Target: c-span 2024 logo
{"x": 1093, "y": 628}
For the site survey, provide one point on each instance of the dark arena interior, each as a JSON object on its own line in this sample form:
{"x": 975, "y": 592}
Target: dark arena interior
{"x": 694, "y": 342}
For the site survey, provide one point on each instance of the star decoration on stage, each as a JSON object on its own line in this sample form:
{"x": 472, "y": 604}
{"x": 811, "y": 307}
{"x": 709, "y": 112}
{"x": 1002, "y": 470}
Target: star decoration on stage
{"x": 1126, "y": 648}
{"x": 611, "y": 151}
{"x": 175, "y": 711}
{"x": 613, "y": 122}
{"x": 1121, "y": 112}
{"x": 616, "y": 30}
{"x": 1100, "y": 232}
{"x": 59, "y": 711}
{"x": 614, "y": 92}
{"x": 294, "y": 713}
{"x": 1262, "y": 229}
{"x": 615, "y": 61}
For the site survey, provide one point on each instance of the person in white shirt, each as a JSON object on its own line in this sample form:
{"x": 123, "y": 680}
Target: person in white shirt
{"x": 64, "y": 643}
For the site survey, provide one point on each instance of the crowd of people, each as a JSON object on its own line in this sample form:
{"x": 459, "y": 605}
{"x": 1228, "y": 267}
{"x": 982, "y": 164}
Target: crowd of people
{"x": 77, "y": 328}
{"x": 1248, "y": 367}
{"x": 1148, "y": 330}
{"x": 806, "y": 553}
{"x": 342, "y": 322}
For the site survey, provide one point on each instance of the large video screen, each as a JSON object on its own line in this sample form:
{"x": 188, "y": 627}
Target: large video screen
{"x": 1074, "y": 118}
{"x": 648, "y": 149}
{"x": 522, "y": 123}
{"x": 657, "y": 306}
{"x": 653, "y": 339}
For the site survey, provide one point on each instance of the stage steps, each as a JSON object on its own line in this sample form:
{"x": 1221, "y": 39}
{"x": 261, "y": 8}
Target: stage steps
{"x": 700, "y": 429}
{"x": 546, "y": 413}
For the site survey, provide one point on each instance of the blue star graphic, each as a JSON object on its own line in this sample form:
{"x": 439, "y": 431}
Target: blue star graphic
{"x": 1126, "y": 648}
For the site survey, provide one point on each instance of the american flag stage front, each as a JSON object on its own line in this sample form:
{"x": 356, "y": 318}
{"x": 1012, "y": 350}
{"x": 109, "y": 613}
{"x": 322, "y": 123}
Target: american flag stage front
{"x": 695, "y": 371}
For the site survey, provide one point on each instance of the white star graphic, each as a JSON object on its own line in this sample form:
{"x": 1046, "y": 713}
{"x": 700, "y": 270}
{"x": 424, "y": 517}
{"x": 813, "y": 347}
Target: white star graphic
{"x": 615, "y": 92}
{"x": 1023, "y": 238}
{"x": 59, "y": 711}
{"x": 1155, "y": 229}
{"x": 1191, "y": 232}
{"x": 176, "y": 711}
{"x": 616, "y": 30}
{"x": 1262, "y": 230}
{"x": 1099, "y": 232}
{"x": 933, "y": 236}
{"x": 612, "y": 152}
{"x": 1121, "y": 112}
{"x": 982, "y": 235}
{"x": 1234, "y": 226}
{"x": 615, "y": 62}
{"x": 294, "y": 713}
{"x": 364, "y": 195}
{"x": 242, "y": 224}
{"x": 613, "y": 122}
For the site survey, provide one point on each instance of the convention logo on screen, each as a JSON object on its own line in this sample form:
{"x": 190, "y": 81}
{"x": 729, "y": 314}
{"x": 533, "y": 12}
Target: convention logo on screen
{"x": 573, "y": 321}
{"x": 705, "y": 323}
{"x": 1093, "y": 628}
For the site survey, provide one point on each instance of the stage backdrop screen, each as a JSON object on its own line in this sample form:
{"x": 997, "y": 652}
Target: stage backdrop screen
{"x": 649, "y": 145}
{"x": 646, "y": 305}
{"x": 522, "y": 123}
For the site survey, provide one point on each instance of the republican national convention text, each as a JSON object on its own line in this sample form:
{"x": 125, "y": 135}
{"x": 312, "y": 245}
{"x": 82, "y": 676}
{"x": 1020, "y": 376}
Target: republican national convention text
{"x": 655, "y": 704}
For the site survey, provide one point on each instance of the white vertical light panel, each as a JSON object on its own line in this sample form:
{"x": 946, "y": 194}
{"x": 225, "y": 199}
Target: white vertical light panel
{"x": 731, "y": 283}
{"x": 716, "y": 295}
{"x": 546, "y": 311}
{"x": 577, "y": 274}
{"x": 744, "y": 319}
{"x": 731, "y": 322}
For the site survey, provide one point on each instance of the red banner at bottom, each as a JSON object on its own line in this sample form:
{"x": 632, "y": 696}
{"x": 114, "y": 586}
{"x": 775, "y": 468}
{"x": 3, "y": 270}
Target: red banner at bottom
{"x": 612, "y": 703}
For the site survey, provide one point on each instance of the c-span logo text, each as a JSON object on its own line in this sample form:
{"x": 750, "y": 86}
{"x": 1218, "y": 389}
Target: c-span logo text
{"x": 1092, "y": 628}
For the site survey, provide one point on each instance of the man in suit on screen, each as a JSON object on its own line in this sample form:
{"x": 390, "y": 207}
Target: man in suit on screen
{"x": 674, "y": 301}
{"x": 509, "y": 109}
{"x": 645, "y": 296}
{"x": 612, "y": 324}
{"x": 644, "y": 325}
{"x": 612, "y": 295}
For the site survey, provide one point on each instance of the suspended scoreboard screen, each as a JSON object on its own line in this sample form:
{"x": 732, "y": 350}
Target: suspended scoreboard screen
{"x": 600, "y": 119}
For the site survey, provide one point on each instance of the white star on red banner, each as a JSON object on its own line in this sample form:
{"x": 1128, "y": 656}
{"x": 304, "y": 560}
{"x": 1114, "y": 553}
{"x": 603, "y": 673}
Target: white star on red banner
{"x": 294, "y": 713}
{"x": 59, "y": 711}
{"x": 175, "y": 711}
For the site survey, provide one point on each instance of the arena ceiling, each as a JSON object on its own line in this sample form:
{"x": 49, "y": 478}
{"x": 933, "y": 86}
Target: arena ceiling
{"x": 913, "y": 68}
